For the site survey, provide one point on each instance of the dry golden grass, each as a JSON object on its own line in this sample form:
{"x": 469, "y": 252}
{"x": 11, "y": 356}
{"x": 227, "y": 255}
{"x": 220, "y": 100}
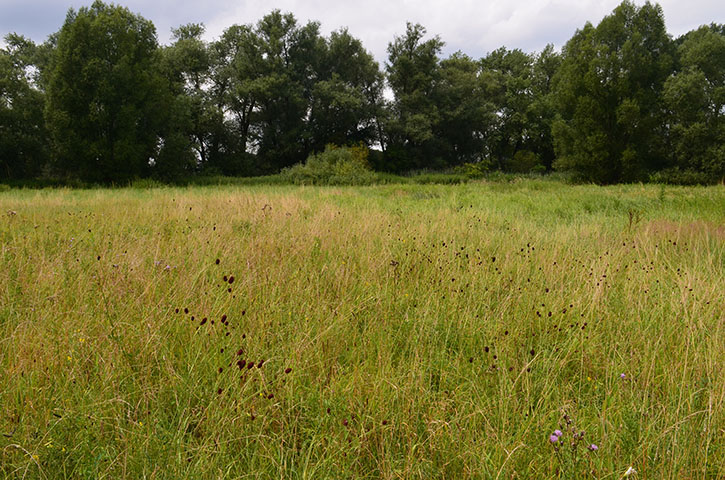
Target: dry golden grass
{"x": 429, "y": 332}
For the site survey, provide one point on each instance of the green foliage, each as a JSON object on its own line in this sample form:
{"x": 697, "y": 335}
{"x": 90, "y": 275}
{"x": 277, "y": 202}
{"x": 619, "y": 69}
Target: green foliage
{"x": 525, "y": 161}
{"x": 101, "y": 102}
{"x": 507, "y": 76}
{"x": 438, "y": 178}
{"x": 287, "y": 52}
{"x": 466, "y": 111}
{"x": 541, "y": 111}
{"x": 290, "y": 91}
{"x": 347, "y": 96}
{"x": 475, "y": 170}
{"x": 145, "y": 183}
{"x": 413, "y": 70}
{"x": 607, "y": 92}
{"x": 675, "y": 176}
{"x": 192, "y": 118}
{"x": 104, "y": 96}
{"x": 695, "y": 97}
{"x": 23, "y": 137}
{"x": 334, "y": 166}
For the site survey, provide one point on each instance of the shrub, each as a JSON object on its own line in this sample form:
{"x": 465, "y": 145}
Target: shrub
{"x": 524, "y": 161}
{"x": 675, "y": 176}
{"x": 474, "y": 170}
{"x": 145, "y": 183}
{"x": 439, "y": 178}
{"x": 335, "y": 166}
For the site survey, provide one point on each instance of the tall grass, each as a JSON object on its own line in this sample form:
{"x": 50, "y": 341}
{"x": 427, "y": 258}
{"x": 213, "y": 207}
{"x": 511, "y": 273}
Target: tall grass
{"x": 403, "y": 331}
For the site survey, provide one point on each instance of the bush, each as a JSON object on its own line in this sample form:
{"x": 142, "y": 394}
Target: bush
{"x": 439, "y": 178}
{"x": 675, "y": 176}
{"x": 524, "y": 161}
{"x": 538, "y": 169}
{"x": 335, "y": 166}
{"x": 145, "y": 183}
{"x": 474, "y": 170}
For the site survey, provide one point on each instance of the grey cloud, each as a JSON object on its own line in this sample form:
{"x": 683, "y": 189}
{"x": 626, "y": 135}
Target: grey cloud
{"x": 472, "y": 26}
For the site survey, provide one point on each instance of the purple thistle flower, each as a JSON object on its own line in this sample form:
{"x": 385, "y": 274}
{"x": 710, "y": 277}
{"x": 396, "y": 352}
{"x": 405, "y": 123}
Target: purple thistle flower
{"x": 593, "y": 447}
{"x": 558, "y": 433}
{"x": 553, "y": 438}
{"x": 622, "y": 376}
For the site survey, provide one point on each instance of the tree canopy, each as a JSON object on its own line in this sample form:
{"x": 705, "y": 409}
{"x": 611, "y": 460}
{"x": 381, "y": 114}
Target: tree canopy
{"x": 102, "y": 101}
{"x": 103, "y": 94}
{"x": 608, "y": 92}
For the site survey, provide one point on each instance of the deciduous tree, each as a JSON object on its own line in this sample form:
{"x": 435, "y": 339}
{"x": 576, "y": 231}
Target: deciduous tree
{"x": 695, "y": 99}
{"x": 23, "y": 137}
{"x": 104, "y": 94}
{"x": 608, "y": 93}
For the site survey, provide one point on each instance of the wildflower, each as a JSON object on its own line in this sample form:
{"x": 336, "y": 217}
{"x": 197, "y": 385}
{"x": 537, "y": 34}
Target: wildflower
{"x": 630, "y": 471}
{"x": 622, "y": 376}
{"x": 593, "y": 447}
{"x": 558, "y": 433}
{"x": 553, "y": 438}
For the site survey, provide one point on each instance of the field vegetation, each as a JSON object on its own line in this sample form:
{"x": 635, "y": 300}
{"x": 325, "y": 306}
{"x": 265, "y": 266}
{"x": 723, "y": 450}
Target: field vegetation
{"x": 522, "y": 329}
{"x": 101, "y": 101}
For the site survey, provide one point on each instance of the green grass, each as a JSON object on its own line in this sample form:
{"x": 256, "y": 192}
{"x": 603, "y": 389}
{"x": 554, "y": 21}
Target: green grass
{"x": 432, "y": 331}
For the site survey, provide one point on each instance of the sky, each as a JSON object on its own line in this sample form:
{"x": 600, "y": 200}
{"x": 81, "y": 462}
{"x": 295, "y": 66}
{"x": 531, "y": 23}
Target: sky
{"x": 474, "y": 27}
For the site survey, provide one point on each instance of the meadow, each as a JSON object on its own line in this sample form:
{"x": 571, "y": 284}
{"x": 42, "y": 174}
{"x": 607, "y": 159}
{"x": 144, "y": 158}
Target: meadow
{"x": 492, "y": 330}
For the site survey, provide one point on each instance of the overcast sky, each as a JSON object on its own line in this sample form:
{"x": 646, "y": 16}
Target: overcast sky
{"x": 472, "y": 26}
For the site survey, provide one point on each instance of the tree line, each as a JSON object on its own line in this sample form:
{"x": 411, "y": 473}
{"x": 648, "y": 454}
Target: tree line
{"x": 102, "y": 101}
